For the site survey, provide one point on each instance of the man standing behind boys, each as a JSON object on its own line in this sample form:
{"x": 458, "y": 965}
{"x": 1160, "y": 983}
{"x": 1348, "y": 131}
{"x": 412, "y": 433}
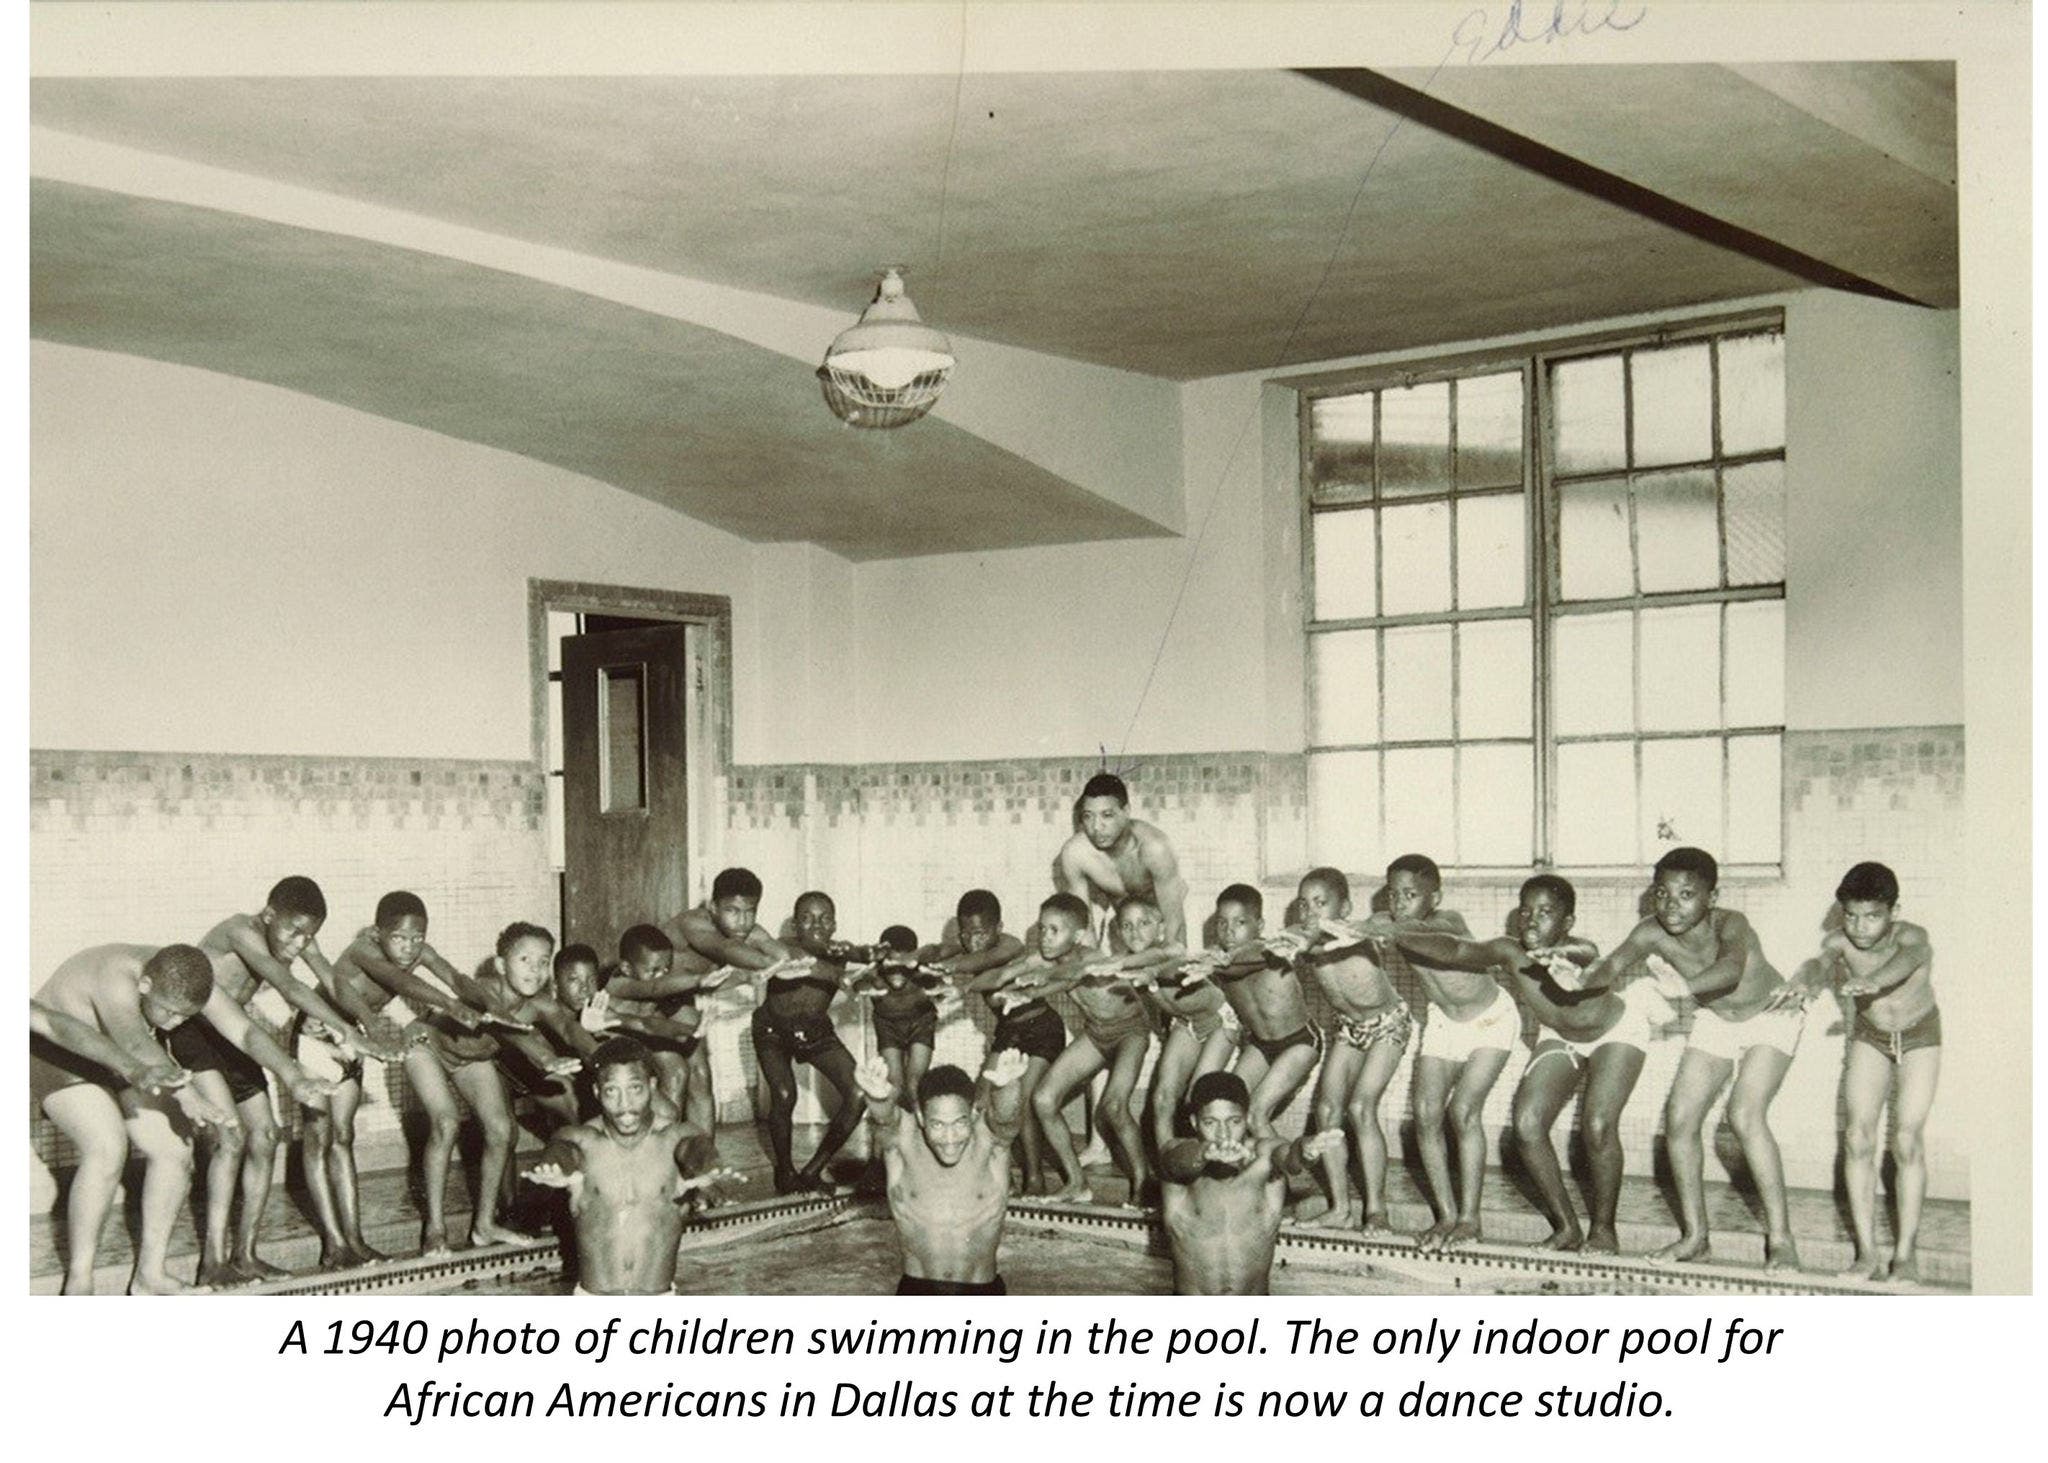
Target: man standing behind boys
{"x": 1116, "y": 857}
{"x": 1741, "y": 1026}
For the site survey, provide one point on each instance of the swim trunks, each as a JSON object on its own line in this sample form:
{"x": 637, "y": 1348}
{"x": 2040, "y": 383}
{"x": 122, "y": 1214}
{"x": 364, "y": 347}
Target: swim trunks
{"x": 1630, "y": 1028}
{"x": 1109, "y": 1033}
{"x": 1307, "y": 1036}
{"x": 804, "y": 1038}
{"x": 1716, "y": 1036}
{"x": 902, "y": 1024}
{"x": 1201, "y": 1025}
{"x": 1363, "y": 1033}
{"x": 197, "y": 1047}
{"x": 321, "y": 1055}
{"x": 453, "y": 1047}
{"x": 918, "y": 1285}
{"x": 1034, "y": 1029}
{"x": 1924, "y": 1033}
{"x": 51, "y": 1069}
{"x": 1497, "y": 1027}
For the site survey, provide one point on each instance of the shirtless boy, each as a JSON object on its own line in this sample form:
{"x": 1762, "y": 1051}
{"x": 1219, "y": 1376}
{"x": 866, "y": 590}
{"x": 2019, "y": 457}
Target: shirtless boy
{"x": 949, "y": 1172}
{"x": 1116, "y": 1031}
{"x": 128, "y": 994}
{"x": 1741, "y": 1027}
{"x": 1472, "y": 1027}
{"x": 1372, "y": 1030}
{"x": 447, "y": 1056}
{"x": 1278, "y": 1048}
{"x": 905, "y": 1017}
{"x": 1886, "y": 967}
{"x": 1599, "y": 1034}
{"x": 249, "y": 952}
{"x": 793, "y": 1024}
{"x": 1226, "y": 1188}
{"x": 624, "y": 1176}
{"x": 1200, "y": 1034}
{"x": 1115, "y": 856}
{"x": 1013, "y": 978}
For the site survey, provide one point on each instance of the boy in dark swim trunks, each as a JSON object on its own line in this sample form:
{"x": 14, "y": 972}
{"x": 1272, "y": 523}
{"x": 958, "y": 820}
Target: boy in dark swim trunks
{"x": 906, "y": 1019}
{"x": 625, "y": 1175}
{"x": 1199, "y": 1034}
{"x": 1278, "y": 1047}
{"x": 1886, "y": 967}
{"x": 251, "y": 952}
{"x": 1025, "y": 1021}
{"x": 793, "y": 1024}
{"x": 949, "y": 1172}
{"x": 449, "y": 1055}
{"x": 1117, "y": 1026}
{"x": 129, "y": 994}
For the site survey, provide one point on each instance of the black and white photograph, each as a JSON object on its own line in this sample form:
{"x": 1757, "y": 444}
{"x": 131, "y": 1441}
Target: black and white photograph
{"x": 993, "y": 670}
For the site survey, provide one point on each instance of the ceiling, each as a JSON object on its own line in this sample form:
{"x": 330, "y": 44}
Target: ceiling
{"x": 1175, "y": 225}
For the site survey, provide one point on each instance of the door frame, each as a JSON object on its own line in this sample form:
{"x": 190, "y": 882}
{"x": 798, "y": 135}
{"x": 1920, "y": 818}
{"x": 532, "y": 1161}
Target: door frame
{"x": 709, "y": 613}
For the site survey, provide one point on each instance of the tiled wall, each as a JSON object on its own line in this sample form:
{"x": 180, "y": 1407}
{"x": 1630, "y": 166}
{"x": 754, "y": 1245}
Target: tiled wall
{"x": 154, "y": 847}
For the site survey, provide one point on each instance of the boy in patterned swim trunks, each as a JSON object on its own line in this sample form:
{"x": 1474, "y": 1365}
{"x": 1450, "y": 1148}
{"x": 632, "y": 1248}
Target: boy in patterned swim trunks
{"x": 1116, "y": 1031}
{"x": 1472, "y": 1027}
{"x": 1277, "y": 1048}
{"x": 1372, "y": 1031}
{"x": 1886, "y": 967}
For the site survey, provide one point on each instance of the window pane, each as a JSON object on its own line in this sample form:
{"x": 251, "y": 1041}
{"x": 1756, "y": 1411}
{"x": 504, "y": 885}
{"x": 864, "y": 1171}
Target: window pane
{"x": 1344, "y": 551}
{"x": 1681, "y": 668}
{"x": 1681, "y": 795}
{"x": 1416, "y": 541}
{"x": 1496, "y": 805}
{"x": 1493, "y": 678}
{"x": 1678, "y": 533}
{"x": 1594, "y": 555}
{"x": 1595, "y": 686}
{"x": 1419, "y": 802}
{"x": 554, "y": 727}
{"x": 1344, "y": 669}
{"x": 1755, "y": 795}
{"x": 1490, "y": 431}
{"x": 1493, "y": 552}
{"x": 1753, "y": 498}
{"x": 1586, "y": 398}
{"x": 620, "y": 783}
{"x": 1674, "y": 405}
{"x": 1418, "y": 683}
{"x": 1596, "y": 803}
{"x": 1415, "y": 439}
{"x": 1756, "y": 663}
{"x": 560, "y": 623}
{"x": 558, "y": 856}
{"x": 1752, "y": 394}
{"x": 1340, "y": 446}
{"x": 1344, "y": 809}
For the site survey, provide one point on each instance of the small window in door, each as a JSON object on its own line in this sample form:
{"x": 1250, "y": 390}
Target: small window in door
{"x": 622, "y": 774}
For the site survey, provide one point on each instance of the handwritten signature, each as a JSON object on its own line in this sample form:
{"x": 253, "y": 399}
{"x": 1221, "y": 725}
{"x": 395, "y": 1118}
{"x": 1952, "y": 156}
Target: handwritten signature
{"x": 1481, "y": 36}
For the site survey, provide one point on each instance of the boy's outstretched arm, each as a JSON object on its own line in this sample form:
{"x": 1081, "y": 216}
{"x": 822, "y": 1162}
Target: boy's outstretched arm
{"x": 1451, "y": 952}
{"x": 1005, "y": 1077}
{"x": 247, "y": 943}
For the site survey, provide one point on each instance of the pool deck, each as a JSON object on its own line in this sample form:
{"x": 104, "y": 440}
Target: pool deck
{"x": 391, "y": 1221}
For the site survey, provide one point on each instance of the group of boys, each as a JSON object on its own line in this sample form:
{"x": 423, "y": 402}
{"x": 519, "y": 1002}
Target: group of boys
{"x": 142, "y": 1046}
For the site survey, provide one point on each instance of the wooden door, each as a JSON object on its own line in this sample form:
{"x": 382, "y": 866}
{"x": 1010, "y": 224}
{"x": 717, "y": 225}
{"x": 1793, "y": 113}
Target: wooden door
{"x": 625, "y": 806}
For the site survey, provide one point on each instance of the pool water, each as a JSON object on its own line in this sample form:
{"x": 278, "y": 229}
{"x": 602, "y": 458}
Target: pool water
{"x": 858, "y": 1255}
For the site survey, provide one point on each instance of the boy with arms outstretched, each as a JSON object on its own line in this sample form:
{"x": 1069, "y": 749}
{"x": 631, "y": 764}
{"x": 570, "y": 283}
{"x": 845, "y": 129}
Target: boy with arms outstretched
{"x": 1014, "y": 978}
{"x": 1277, "y": 1048}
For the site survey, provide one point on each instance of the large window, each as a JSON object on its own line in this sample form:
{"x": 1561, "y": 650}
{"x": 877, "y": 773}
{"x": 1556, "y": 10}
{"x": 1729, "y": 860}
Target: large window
{"x": 1546, "y": 604}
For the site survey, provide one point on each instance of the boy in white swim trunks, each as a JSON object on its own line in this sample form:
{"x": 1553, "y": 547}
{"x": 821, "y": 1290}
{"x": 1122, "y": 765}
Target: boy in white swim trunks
{"x": 1741, "y": 1027}
{"x": 1599, "y": 1034}
{"x": 1886, "y": 967}
{"x": 1472, "y": 1027}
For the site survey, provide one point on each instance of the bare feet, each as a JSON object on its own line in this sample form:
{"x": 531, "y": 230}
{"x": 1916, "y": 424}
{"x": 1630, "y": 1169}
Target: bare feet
{"x": 1906, "y": 1266}
{"x": 1564, "y": 1237}
{"x": 434, "y": 1242}
{"x": 163, "y": 1283}
{"x": 1432, "y": 1239}
{"x": 362, "y": 1254}
{"x": 1458, "y": 1235}
{"x": 1864, "y": 1267}
{"x": 1337, "y": 1216}
{"x": 482, "y": 1233}
{"x": 257, "y": 1269}
{"x": 336, "y": 1259}
{"x": 214, "y": 1275}
{"x": 1376, "y": 1223}
{"x": 1780, "y": 1253}
{"x": 1680, "y": 1251}
{"x": 1602, "y": 1240}
{"x": 1071, "y": 1194}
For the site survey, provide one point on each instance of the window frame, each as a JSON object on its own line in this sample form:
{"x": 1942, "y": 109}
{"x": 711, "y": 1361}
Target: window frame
{"x": 1543, "y": 604}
